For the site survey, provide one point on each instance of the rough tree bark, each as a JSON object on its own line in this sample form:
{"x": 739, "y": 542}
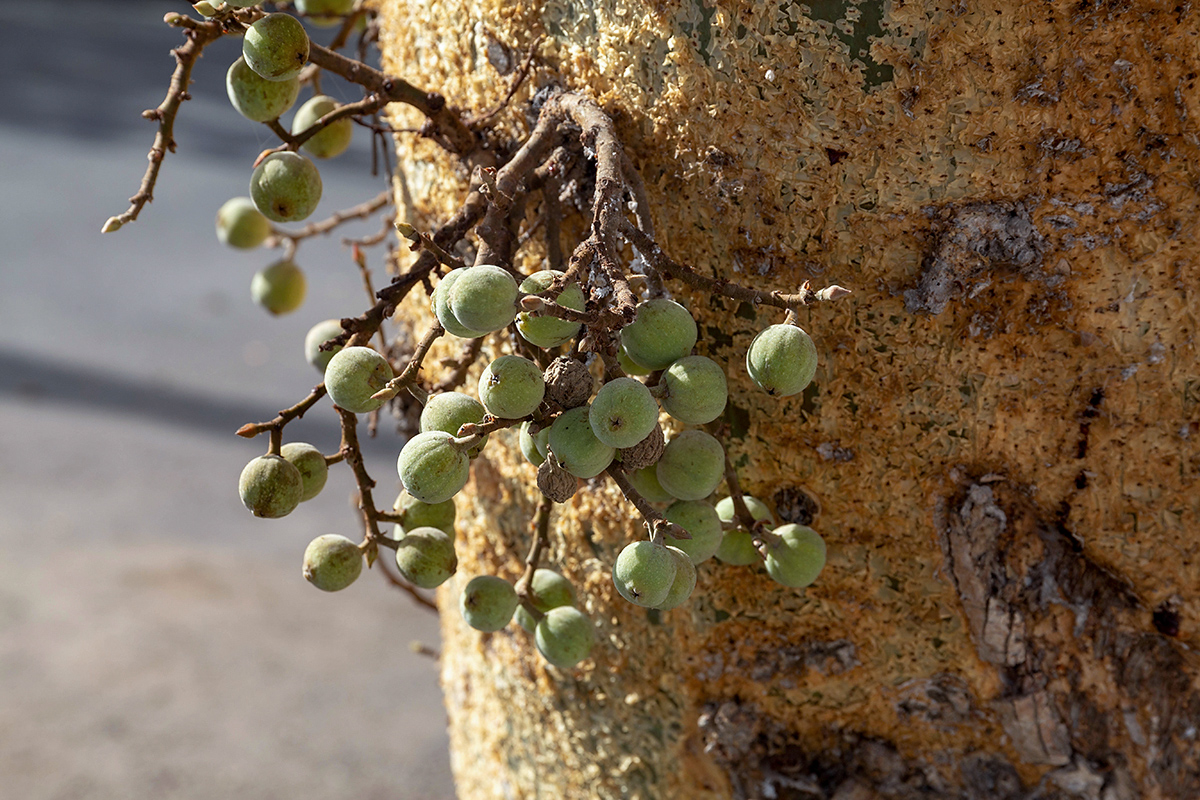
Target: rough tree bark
{"x": 999, "y": 447}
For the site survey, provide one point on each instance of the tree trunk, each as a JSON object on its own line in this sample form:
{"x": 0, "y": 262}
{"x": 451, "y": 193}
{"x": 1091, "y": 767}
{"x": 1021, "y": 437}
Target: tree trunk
{"x": 998, "y": 447}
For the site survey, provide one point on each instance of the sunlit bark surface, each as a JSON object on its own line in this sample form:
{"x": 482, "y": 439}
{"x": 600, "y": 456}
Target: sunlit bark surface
{"x": 999, "y": 446}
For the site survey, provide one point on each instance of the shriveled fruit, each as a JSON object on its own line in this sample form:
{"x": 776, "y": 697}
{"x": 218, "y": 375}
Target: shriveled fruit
{"x": 568, "y": 382}
{"x": 623, "y": 413}
{"x": 644, "y": 573}
{"x": 311, "y": 464}
{"x": 556, "y": 483}
{"x": 425, "y": 557}
{"x": 331, "y": 562}
{"x": 684, "y": 583}
{"x": 700, "y": 520}
{"x": 691, "y": 466}
{"x": 318, "y": 335}
{"x": 449, "y": 411}
{"x": 564, "y": 636}
{"x": 548, "y": 331}
{"x": 484, "y": 298}
{"x": 662, "y": 332}
{"x": 443, "y": 311}
{"x": 432, "y": 467}
{"x": 255, "y": 97}
{"x": 737, "y": 546}
{"x": 279, "y": 288}
{"x": 241, "y": 225}
{"x": 330, "y": 141}
{"x": 276, "y": 47}
{"x": 645, "y": 453}
{"x": 511, "y": 387}
{"x": 695, "y": 390}
{"x": 576, "y": 446}
{"x": 270, "y": 487}
{"x": 782, "y": 360}
{"x": 285, "y": 187}
{"x": 353, "y": 375}
{"x": 487, "y": 603}
{"x": 547, "y": 590}
{"x": 414, "y": 513}
{"x": 798, "y": 558}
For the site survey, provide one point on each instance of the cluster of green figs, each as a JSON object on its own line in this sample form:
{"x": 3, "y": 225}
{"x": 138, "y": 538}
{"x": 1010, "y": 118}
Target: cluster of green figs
{"x": 573, "y": 426}
{"x": 263, "y": 85}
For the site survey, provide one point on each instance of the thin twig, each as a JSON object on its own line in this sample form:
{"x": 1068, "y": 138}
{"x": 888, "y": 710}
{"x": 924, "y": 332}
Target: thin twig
{"x": 252, "y": 429}
{"x": 656, "y": 523}
{"x": 360, "y": 211}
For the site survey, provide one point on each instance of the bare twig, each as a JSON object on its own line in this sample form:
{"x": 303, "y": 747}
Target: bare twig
{"x": 252, "y": 429}
{"x": 656, "y": 523}
{"x": 360, "y": 211}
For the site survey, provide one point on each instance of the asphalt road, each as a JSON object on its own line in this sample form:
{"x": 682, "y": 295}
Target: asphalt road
{"x": 156, "y": 641}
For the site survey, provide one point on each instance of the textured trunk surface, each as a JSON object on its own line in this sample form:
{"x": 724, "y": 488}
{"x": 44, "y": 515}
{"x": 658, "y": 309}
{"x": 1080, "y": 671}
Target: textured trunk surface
{"x": 999, "y": 447}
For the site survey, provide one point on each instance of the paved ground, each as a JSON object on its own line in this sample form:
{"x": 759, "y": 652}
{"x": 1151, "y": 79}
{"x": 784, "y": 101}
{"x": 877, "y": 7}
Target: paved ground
{"x": 156, "y": 641}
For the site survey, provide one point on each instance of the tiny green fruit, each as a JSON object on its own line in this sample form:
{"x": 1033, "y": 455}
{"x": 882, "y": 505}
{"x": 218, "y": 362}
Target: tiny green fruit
{"x": 279, "y": 288}
{"x": 324, "y": 13}
{"x": 414, "y": 513}
{"x": 684, "y": 583}
{"x": 691, "y": 466}
{"x": 737, "y": 546}
{"x": 256, "y": 98}
{"x": 576, "y": 446}
{"x": 330, "y": 141}
{"x": 782, "y": 360}
{"x": 311, "y": 464}
{"x": 353, "y": 375}
{"x": 432, "y": 467}
{"x": 645, "y": 480}
{"x": 484, "y": 298}
{"x": 700, "y": 520}
{"x": 285, "y": 187}
{"x": 798, "y": 556}
{"x": 443, "y": 311}
{"x": 564, "y": 636}
{"x": 276, "y": 47}
{"x": 511, "y": 387}
{"x": 662, "y": 332}
{"x": 241, "y": 225}
{"x": 548, "y": 331}
{"x": 487, "y": 603}
{"x": 694, "y": 390}
{"x": 318, "y": 335}
{"x": 644, "y": 573}
{"x": 449, "y": 411}
{"x": 331, "y": 562}
{"x": 533, "y": 446}
{"x": 623, "y": 413}
{"x": 270, "y": 487}
{"x": 547, "y": 590}
{"x": 426, "y": 558}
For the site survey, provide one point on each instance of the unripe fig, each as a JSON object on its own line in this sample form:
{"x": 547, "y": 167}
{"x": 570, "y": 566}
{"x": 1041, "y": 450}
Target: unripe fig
{"x": 443, "y": 311}
{"x": 547, "y": 331}
{"x": 432, "y": 468}
{"x": 324, "y": 13}
{"x": 285, "y": 187}
{"x": 701, "y": 521}
{"x": 318, "y": 335}
{"x": 487, "y": 603}
{"x": 484, "y": 298}
{"x": 353, "y": 375}
{"x": 240, "y": 224}
{"x": 662, "y": 332}
{"x": 425, "y": 557}
{"x": 691, "y": 466}
{"x": 449, "y": 411}
{"x": 737, "y": 546}
{"x": 684, "y": 583}
{"x": 256, "y": 98}
{"x": 311, "y": 464}
{"x": 276, "y": 47}
{"x": 511, "y": 387}
{"x": 627, "y": 366}
{"x": 623, "y": 413}
{"x": 270, "y": 487}
{"x": 576, "y": 446}
{"x": 330, "y": 141}
{"x": 331, "y": 562}
{"x": 533, "y": 446}
{"x": 695, "y": 390}
{"x": 547, "y": 590}
{"x": 416, "y": 514}
{"x": 782, "y": 359}
{"x": 568, "y": 382}
{"x": 798, "y": 558}
{"x": 644, "y": 573}
{"x": 564, "y": 636}
{"x": 645, "y": 480}
{"x": 279, "y": 288}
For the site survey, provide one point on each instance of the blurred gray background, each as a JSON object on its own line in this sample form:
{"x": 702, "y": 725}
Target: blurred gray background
{"x": 156, "y": 641}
